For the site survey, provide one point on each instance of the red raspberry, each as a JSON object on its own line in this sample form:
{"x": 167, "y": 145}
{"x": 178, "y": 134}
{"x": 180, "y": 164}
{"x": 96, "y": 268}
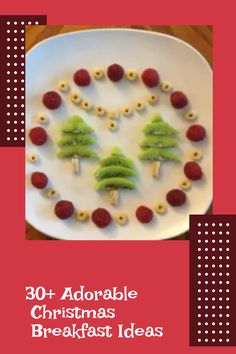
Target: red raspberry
{"x": 101, "y": 217}
{"x": 144, "y": 214}
{"x": 193, "y": 171}
{"x": 52, "y": 100}
{"x": 115, "y": 72}
{"x": 176, "y": 197}
{"x": 39, "y": 180}
{"x": 178, "y": 99}
{"x": 64, "y": 209}
{"x": 82, "y": 77}
{"x": 196, "y": 132}
{"x": 150, "y": 77}
{"x": 38, "y": 136}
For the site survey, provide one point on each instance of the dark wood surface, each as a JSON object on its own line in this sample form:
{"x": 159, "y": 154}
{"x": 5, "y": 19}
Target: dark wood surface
{"x": 200, "y": 37}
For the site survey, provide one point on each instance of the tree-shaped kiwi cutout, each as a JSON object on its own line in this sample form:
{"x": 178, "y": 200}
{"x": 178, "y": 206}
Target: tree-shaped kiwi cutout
{"x": 115, "y": 173}
{"x": 158, "y": 143}
{"x": 76, "y": 141}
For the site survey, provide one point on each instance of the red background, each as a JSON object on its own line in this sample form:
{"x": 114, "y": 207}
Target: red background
{"x": 157, "y": 270}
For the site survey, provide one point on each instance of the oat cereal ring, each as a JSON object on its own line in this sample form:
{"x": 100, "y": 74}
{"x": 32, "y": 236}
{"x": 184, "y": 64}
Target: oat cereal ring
{"x": 166, "y": 86}
{"x": 52, "y": 193}
{"x": 131, "y": 74}
{"x": 185, "y": 184}
{"x": 112, "y": 124}
{"x": 139, "y": 105}
{"x": 160, "y": 208}
{"x": 82, "y": 215}
{"x": 42, "y": 118}
{"x": 75, "y": 97}
{"x": 100, "y": 110}
{"x": 196, "y": 154}
{"x": 191, "y": 115}
{"x": 152, "y": 98}
{"x": 98, "y": 73}
{"x": 63, "y": 86}
{"x": 126, "y": 111}
{"x": 121, "y": 218}
{"x": 86, "y": 104}
{"x": 32, "y": 157}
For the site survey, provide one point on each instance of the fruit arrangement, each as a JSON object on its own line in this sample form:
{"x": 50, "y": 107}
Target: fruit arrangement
{"x": 76, "y": 141}
{"x": 158, "y": 143}
{"x": 114, "y": 174}
{"x": 116, "y": 171}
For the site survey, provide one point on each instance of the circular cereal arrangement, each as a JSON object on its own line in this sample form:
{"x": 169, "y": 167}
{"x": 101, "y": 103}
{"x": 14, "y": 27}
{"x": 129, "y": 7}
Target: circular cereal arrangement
{"x": 52, "y": 100}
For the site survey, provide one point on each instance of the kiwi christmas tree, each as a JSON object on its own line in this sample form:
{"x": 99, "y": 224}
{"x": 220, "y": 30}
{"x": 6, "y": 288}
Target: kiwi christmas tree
{"x": 114, "y": 173}
{"x": 76, "y": 141}
{"x": 158, "y": 143}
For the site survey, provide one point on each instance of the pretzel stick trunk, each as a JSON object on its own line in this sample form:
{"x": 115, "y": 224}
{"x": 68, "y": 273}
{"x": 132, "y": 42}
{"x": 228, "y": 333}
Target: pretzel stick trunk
{"x": 113, "y": 197}
{"x": 75, "y": 164}
{"x": 155, "y": 168}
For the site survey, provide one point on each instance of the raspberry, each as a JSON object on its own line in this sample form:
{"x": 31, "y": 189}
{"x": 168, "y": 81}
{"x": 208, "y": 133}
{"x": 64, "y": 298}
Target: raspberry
{"x": 150, "y": 77}
{"x": 64, "y": 209}
{"x": 82, "y": 77}
{"x": 52, "y": 100}
{"x": 38, "y": 136}
{"x": 115, "y": 72}
{"x": 176, "y": 197}
{"x": 193, "y": 171}
{"x": 196, "y": 132}
{"x": 101, "y": 217}
{"x": 144, "y": 214}
{"x": 178, "y": 99}
{"x": 39, "y": 180}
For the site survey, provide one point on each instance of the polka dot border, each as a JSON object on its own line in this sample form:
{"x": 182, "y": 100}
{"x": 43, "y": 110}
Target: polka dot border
{"x": 212, "y": 288}
{"x": 12, "y": 76}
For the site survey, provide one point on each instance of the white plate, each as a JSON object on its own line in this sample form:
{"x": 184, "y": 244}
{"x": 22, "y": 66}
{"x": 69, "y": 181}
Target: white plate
{"x": 58, "y": 58}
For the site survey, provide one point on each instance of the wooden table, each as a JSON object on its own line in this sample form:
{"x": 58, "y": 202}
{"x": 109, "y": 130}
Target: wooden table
{"x": 200, "y": 37}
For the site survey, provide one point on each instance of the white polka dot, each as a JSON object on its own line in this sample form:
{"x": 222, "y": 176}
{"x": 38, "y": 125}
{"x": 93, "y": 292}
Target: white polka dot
{"x": 199, "y": 224}
{"x": 206, "y": 224}
{"x": 199, "y": 249}
{"x": 8, "y": 138}
{"x": 199, "y": 274}
{"x": 199, "y": 241}
{"x": 8, "y": 48}
{"x": 206, "y": 232}
{"x": 199, "y": 232}
{"x": 15, "y": 39}
{"x": 15, "y": 23}
{"x": 220, "y": 241}
{"x": 206, "y": 241}
{"x": 220, "y": 224}
{"x": 206, "y": 274}
{"x": 22, "y": 138}
{"x": 8, "y": 39}
{"x": 206, "y": 249}
{"x": 15, "y": 138}
{"x": 22, "y": 22}
{"x": 227, "y": 241}
{"x": 15, "y": 31}
{"x": 36, "y": 23}
{"x": 8, "y": 22}
{"x": 227, "y": 224}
